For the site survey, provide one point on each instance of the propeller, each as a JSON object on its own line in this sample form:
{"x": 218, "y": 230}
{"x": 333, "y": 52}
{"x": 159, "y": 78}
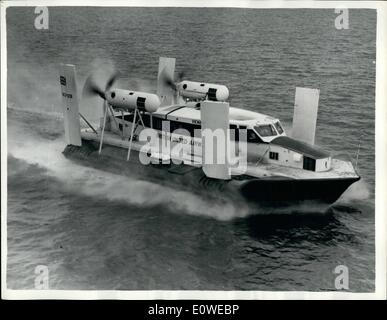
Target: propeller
{"x": 170, "y": 82}
{"x": 91, "y": 88}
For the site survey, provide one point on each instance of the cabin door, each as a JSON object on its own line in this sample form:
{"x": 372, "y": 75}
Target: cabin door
{"x": 309, "y": 164}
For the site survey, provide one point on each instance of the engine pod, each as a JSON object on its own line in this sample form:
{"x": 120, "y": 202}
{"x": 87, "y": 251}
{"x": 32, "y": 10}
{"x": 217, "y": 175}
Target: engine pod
{"x": 198, "y": 90}
{"x": 131, "y": 100}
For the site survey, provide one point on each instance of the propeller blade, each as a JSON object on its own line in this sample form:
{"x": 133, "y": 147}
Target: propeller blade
{"x": 111, "y": 80}
{"x": 91, "y": 88}
{"x": 180, "y": 76}
{"x": 167, "y": 81}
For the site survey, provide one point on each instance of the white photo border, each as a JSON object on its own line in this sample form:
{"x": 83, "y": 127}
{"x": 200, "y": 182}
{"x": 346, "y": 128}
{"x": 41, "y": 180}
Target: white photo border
{"x": 380, "y": 159}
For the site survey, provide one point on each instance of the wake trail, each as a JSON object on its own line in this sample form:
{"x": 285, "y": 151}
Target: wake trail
{"x": 91, "y": 182}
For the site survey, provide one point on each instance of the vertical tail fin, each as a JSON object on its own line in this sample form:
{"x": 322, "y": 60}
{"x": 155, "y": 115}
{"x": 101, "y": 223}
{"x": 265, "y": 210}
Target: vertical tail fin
{"x": 70, "y": 104}
{"x": 166, "y": 71}
{"x": 215, "y": 139}
{"x": 305, "y": 114}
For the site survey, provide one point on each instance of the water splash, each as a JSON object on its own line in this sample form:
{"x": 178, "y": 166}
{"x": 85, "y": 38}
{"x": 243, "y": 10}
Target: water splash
{"x": 358, "y": 191}
{"x": 75, "y": 178}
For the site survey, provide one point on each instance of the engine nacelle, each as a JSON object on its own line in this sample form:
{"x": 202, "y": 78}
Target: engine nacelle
{"x": 198, "y": 90}
{"x": 129, "y": 100}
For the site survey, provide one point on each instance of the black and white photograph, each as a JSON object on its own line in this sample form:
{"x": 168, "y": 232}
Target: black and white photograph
{"x": 193, "y": 150}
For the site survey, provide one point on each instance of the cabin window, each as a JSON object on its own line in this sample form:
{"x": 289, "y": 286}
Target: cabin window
{"x": 309, "y": 164}
{"x": 195, "y": 128}
{"x": 234, "y": 133}
{"x": 157, "y": 123}
{"x": 190, "y": 127}
{"x": 176, "y": 125}
{"x": 173, "y": 125}
{"x": 273, "y": 155}
{"x": 266, "y": 130}
{"x": 252, "y": 136}
{"x": 279, "y": 128}
{"x": 129, "y": 117}
{"x": 62, "y": 80}
{"x": 146, "y": 120}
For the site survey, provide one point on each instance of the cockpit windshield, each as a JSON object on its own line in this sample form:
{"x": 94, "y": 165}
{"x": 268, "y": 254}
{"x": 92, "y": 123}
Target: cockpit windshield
{"x": 278, "y": 127}
{"x": 266, "y": 130}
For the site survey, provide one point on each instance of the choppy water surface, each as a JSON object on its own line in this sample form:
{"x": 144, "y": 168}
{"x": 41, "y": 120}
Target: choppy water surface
{"x": 96, "y": 230}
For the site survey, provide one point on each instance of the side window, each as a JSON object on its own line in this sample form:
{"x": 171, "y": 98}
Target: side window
{"x": 172, "y": 125}
{"x": 180, "y": 126}
{"x": 309, "y": 164}
{"x": 157, "y": 123}
{"x": 234, "y": 133}
{"x": 129, "y": 117}
{"x": 190, "y": 128}
{"x": 273, "y": 155}
{"x": 278, "y": 127}
{"x": 175, "y": 125}
{"x": 146, "y": 120}
{"x": 196, "y": 127}
{"x": 252, "y": 136}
